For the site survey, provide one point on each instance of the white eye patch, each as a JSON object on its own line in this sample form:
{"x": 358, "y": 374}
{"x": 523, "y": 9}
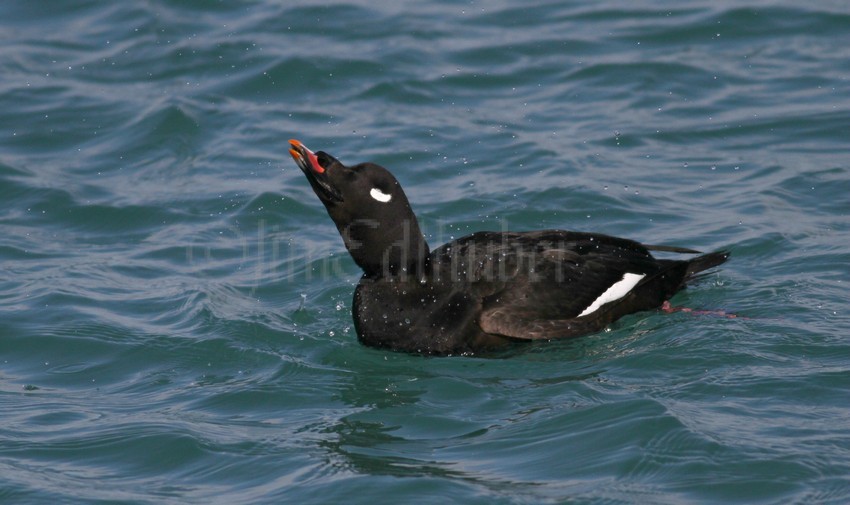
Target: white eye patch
{"x": 379, "y": 195}
{"x": 617, "y": 290}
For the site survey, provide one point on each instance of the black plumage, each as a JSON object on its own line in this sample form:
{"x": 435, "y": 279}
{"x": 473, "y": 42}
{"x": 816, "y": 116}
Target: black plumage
{"x": 486, "y": 290}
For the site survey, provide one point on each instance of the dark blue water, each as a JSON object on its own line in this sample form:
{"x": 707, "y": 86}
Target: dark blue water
{"x": 175, "y": 303}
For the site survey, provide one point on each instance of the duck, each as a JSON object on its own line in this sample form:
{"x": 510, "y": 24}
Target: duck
{"x": 489, "y": 290}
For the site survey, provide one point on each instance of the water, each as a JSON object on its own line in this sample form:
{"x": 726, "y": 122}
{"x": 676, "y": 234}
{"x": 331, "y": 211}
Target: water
{"x": 175, "y": 303}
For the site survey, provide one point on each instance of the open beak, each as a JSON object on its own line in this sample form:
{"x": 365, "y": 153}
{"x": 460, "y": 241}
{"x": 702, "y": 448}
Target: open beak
{"x": 305, "y": 158}
{"x": 308, "y": 162}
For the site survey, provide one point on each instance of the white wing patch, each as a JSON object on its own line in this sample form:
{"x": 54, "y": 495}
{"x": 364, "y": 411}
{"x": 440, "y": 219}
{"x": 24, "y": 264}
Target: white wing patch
{"x": 379, "y": 195}
{"x": 617, "y": 290}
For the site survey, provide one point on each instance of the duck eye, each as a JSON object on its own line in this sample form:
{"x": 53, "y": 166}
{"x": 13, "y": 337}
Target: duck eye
{"x": 380, "y": 196}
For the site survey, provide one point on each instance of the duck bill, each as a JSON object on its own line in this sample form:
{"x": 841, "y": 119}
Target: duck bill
{"x": 308, "y": 162}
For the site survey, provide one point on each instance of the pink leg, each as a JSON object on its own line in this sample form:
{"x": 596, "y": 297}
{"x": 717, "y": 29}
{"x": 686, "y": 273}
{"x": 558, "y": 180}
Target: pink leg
{"x": 669, "y": 309}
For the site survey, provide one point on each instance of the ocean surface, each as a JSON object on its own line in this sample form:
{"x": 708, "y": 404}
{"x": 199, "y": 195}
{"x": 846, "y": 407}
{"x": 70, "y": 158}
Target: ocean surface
{"x": 175, "y": 320}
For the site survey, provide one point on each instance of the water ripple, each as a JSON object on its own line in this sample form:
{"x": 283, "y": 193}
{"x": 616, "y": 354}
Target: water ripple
{"x": 176, "y": 303}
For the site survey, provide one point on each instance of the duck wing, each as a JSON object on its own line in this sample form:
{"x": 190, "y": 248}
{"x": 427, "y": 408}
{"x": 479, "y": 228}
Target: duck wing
{"x": 557, "y": 284}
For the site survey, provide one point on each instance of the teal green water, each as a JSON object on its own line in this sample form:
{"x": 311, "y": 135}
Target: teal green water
{"x": 175, "y": 303}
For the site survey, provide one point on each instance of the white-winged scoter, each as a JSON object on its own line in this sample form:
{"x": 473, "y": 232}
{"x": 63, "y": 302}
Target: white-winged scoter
{"x": 487, "y": 290}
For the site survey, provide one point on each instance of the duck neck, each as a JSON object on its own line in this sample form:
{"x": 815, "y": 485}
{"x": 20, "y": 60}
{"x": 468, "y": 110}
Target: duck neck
{"x": 387, "y": 250}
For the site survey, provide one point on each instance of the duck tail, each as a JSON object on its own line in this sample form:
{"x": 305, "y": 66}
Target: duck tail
{"x": 706, "y": 261}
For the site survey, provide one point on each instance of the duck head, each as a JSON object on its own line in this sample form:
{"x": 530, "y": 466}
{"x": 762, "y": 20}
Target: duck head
{"x": 370, "y": 210}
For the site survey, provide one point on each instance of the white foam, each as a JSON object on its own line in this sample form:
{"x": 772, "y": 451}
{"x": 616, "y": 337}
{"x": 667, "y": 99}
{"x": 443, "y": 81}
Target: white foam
{"x": 617, "y": 290}
{"x": 379, "y": 195}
